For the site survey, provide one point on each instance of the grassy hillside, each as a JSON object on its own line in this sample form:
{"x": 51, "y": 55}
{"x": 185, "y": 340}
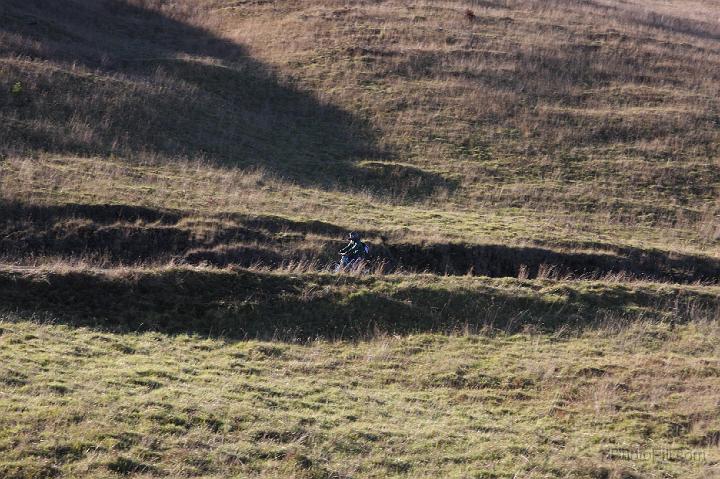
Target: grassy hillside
{"x": 200, "y": 372}
{"x": 539, "y": 182}
{"x": 298, "y": 306}
{"x": 555, "y": 122}
{"x": 640, "y": 402}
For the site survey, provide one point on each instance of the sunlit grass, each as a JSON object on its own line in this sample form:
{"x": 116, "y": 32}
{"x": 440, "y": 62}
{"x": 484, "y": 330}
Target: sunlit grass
{"x": 85, "y": 403}
{"x": 203, "y": 335}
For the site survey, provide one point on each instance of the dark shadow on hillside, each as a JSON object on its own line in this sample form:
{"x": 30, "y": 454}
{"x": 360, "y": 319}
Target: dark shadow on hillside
{"x": 504, "y": 260}
{"x": 682, "y": 26}
{"x": 648, "y": 18}
{"x": 14, "y": 212}
{"x": 130, "y": 235}
{"x": 151, "y": 86}
{"x": 243, "y": 304}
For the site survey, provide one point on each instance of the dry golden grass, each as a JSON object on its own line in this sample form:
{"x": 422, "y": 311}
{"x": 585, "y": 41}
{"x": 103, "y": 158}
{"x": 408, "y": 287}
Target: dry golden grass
{"x": 620, "y": 402}
{"x": 540, "y": 121}
{"x": 149, "y": 149}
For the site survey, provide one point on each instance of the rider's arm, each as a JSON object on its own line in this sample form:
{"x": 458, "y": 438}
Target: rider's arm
{"x": 346, "y": 249}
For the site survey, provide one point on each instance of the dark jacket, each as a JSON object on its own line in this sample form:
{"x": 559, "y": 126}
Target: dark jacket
{"x": 354, "y": 249}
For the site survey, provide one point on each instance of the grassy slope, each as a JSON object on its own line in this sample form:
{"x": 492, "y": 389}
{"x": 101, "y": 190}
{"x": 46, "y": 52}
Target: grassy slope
{"x": 606, "y": 379}
{"x": 301, "y": 306}
{"x": 84, "y": 403}
{"x": 576, "y": 126}
{"x": 531, "y": 122}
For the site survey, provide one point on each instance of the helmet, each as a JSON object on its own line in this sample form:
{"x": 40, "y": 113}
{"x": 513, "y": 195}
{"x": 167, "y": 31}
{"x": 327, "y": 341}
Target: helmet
{"x": 354, "y": 236}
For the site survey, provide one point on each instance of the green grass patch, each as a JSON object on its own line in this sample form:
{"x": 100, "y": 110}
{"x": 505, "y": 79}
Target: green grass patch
{"x": 607, "y": 402}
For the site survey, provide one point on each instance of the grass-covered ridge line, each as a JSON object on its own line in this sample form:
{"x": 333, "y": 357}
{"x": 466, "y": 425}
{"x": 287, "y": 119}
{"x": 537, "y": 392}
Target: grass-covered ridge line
{"x": 119, "y": 234}
{"x": 89, "y": 184}
{"x": 301, "y": 306}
